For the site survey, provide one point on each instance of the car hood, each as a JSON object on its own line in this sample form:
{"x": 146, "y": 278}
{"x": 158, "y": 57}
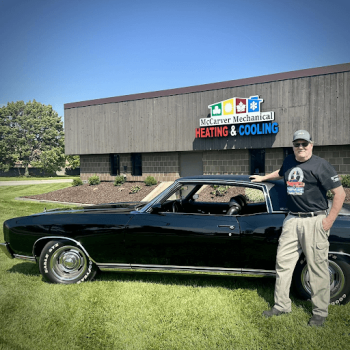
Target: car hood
{"x": 122, "y": 207}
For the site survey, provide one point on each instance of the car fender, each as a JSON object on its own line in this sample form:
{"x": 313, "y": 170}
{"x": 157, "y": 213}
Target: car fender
{"x": 40, "y": 243}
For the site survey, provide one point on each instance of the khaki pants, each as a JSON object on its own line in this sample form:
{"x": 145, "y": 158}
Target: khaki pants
{"x": 303, "y": 235}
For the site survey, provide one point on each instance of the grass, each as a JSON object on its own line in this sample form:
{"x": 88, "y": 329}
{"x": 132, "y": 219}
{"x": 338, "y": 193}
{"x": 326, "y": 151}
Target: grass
{"x": 139, "y": 310}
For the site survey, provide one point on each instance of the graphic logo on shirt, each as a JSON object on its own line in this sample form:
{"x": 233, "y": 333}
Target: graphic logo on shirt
{"x": 335, "y": 178}
{"x": 295, "y": 184}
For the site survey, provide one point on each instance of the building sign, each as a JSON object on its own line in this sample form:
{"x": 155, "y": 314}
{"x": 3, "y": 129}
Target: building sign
{"x": 237, "y": 117}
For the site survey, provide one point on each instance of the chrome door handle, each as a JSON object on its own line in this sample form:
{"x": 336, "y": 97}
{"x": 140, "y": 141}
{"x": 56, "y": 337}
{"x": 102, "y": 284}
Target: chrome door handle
{"x": 229, "y": 226}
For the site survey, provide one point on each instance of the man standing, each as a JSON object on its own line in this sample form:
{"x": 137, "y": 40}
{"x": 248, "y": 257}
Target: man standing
{"x": 306, "y": 228}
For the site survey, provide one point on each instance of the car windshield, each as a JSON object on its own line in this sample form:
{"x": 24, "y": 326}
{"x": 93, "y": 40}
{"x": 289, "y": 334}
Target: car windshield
{"x": 182, "y": 192}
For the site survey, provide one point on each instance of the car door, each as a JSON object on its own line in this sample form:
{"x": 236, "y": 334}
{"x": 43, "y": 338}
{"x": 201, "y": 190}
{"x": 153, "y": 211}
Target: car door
{"x": 259, "y": 234}
{"x": 181, "y": 239}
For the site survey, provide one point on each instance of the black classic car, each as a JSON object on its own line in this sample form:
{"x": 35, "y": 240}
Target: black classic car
{"x": 204, "y": 223}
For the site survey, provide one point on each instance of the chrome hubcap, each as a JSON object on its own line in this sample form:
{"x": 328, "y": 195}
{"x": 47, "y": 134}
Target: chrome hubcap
{"x": 336, "y": 279}
{"x": 68, "y": 263}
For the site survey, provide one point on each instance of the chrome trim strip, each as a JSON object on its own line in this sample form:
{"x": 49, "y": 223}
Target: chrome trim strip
{"x": 268, "y": 201}
{"x": 259, "y": 272}
{"x": 340, "y": 253}
{"x": 5, "y": 248}
{"x": 24, "y": 257}
{"x": 111, "y": 266}
{"x": 184, "y": 268}
{"x": 65, "y": 238}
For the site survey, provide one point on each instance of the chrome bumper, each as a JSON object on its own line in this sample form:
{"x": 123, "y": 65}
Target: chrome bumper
{"x": 6, "y": 249}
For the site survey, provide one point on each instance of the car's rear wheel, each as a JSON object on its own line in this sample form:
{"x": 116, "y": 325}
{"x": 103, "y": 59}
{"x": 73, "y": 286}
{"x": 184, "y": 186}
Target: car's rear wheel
{"x": 339, "y": 274}
{"x": 66, "y": 263}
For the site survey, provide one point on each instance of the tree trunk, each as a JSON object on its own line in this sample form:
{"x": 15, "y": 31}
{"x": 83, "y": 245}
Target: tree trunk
{"x": 26, "y": 171}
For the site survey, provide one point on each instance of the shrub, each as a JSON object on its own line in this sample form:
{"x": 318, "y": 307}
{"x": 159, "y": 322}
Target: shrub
{"x": 330, "y": 195}
{"x": 219, "y": 190}
{"x": 135, "y": 189}
{"x": 119, "y": 180}
{"x": 77, "y": 182}
{"x": 94, "y": 180}
{"x": 150, "y": 181}
{"x": 345, "y": 181}
{"x": 254, "y": 195}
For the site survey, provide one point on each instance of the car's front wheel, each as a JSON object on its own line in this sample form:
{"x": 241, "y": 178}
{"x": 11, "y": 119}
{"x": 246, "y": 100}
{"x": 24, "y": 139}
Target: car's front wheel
{"x": 66, "y": 263}
{"x": 339, "y": 274}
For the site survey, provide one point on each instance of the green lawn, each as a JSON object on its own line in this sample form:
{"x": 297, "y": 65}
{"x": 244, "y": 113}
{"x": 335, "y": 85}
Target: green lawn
{"x": 139, "y": 310}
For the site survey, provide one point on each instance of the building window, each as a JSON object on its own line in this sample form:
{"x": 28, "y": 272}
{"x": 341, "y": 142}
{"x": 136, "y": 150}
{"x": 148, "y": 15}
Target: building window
{"x": 287, "y": 151}
{"x": 136, "y": 163}
{"x": 115, "y": 165}
{"x": 257, "y": 161}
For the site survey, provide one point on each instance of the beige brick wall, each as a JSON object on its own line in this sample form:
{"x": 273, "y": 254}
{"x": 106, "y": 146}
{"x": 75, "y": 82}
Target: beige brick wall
{"x": 338, "y": 156}
{"x": 273, "y": 159}
{"x": 226, "y": 162}
{"x": 162, "y": 166}
{"x": 165, "y": 166}
{"x": 95, "y": 164}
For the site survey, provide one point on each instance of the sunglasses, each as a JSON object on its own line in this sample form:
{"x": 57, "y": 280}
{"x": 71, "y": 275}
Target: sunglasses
{"x": 302, "y": 144}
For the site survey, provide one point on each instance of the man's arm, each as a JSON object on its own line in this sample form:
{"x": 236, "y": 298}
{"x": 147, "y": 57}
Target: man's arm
{"x": 272, "y": 176}
{"x": 338, "y": 200}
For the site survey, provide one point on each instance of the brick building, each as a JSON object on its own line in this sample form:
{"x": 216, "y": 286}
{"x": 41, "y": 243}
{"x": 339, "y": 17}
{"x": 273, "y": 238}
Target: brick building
{"x": 234, "y": 127}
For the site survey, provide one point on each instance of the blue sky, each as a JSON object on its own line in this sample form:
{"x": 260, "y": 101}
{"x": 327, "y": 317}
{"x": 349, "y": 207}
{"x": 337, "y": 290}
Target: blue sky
{"x": 61, "y": 51}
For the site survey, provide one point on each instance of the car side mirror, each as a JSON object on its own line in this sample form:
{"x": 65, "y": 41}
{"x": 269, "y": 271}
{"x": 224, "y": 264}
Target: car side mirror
{"x": 195, "y": 196}
{"x": 157, "y": 208}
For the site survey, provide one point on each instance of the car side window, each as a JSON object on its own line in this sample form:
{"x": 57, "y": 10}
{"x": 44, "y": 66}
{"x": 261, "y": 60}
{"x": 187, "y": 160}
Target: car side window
{"x": 215, "y": 199}
{"x": 222, "y": 199}
{"x": 223, "y": 193}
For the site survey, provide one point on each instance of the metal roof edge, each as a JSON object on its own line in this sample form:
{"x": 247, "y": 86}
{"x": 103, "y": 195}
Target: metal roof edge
{"x": 338, "y": 68}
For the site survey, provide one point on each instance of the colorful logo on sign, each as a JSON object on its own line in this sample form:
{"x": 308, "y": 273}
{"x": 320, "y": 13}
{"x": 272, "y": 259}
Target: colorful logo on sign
{"x": 226, "y": 114}
{"x": 236, "y": 106}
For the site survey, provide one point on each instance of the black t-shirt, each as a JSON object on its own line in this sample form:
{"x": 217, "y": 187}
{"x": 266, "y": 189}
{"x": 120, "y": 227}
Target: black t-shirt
{"x": 308, "y": 182}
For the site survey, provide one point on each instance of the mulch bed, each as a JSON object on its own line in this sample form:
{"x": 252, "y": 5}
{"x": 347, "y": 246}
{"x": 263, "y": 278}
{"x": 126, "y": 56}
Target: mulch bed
{"x": 105, "y": 192}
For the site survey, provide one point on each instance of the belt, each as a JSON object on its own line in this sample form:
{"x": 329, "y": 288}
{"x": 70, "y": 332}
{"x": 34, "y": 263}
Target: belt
{"x": 309, "y": 215}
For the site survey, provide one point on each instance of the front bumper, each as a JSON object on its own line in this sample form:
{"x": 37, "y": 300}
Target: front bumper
{"x": 5, "y": 247}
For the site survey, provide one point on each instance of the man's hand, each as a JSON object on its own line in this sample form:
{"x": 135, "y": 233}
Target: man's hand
{"x": 338, "y": 200}
{"x": 327, "y": 223}
{"x": 256, "y": 178}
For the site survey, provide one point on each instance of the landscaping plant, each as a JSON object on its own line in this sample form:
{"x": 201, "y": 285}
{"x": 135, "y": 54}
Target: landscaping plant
{"x": 94, "y": 180}
{"x": 77, "y": 182}
{"x": 119, "y": 180}
{"x": 150, "y": 181}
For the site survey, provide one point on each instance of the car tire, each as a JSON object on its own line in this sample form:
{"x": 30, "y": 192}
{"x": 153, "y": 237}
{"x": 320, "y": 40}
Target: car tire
{"x": 339, "y": 272}
{"x": 65, "y": 263}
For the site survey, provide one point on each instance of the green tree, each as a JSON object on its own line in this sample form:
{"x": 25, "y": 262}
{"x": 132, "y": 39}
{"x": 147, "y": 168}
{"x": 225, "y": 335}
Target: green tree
{"x": 7, "y": 139}
{"x": 73, "y": 162}
{"x": 31, "y": 133}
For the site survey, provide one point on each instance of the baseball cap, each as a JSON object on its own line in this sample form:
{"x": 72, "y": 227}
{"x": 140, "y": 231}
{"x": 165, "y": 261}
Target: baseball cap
{"x": 302, "y": 135}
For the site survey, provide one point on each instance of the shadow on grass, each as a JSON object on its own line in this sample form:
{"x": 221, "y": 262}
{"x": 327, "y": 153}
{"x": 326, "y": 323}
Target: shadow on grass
{"x": 25, "y": 268}
{"x": 264, "y": 286}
